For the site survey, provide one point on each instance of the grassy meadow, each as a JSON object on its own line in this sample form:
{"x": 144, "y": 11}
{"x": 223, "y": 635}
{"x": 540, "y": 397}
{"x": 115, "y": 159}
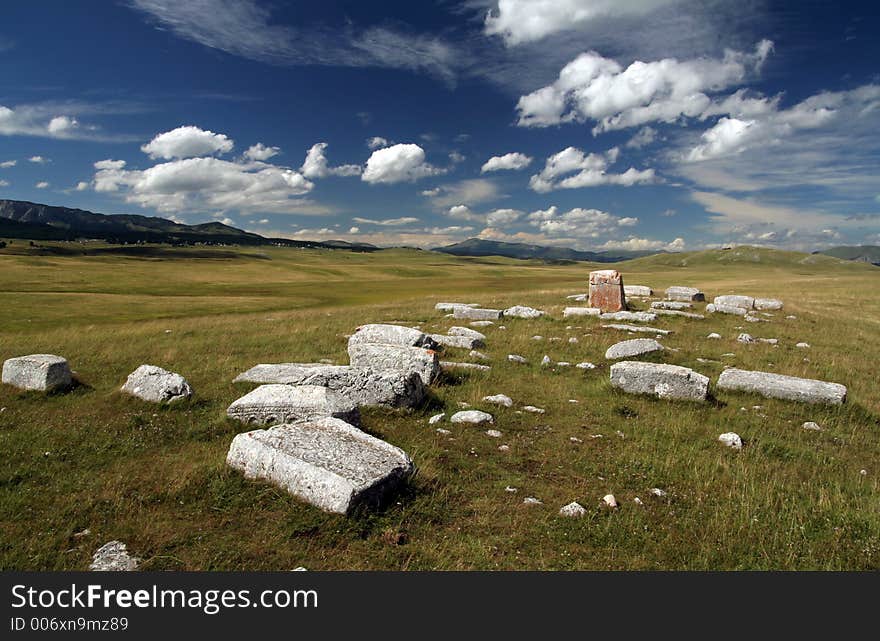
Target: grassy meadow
{"x": 155, "y": 477}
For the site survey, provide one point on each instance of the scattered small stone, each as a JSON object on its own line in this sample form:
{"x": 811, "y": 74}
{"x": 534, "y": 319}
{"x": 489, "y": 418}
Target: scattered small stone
{"x": 436, "y": 418}
{"x": 533, "y": 409}
{"x": 569, "y": 312}
{"x": 620, "y": 434}
{"x": 573, "y": 400}
{"x": 450, "y": 307}
{"x": 503, "y": 448}
{"x": 637, "y": 501}
{"x": 769, "y": 341}
{"x": 440, "y": 430}
{"x": 516, "y": 358}
{"x": 656, "y": 491}
{"x": 575, "y": 439}
{"x": 732, "y": 440}
{"x": 511, "y": 490}
{"x": 609, "y": 501}
{"x": 573, "y": 340}
{"x": 464, "y": 331}
{"x": 572, "y": 510}
{"x": 521, "y": 311}
{"x": 863, "y": 472}
{"x": 499, "y": 399}
{"x": 472, "y": 416}
{"x": 546, "y": 362}
{"x": 463, "y": 404}
{"x": 631, "y": 348}
{"x": 789, "y": 317}
{"x": 637, "y": 328}
{"x": 494, "y": 433}
{"x": 803, "y": 345}
{"x": 113, "y": 557}
{"x": 537, "y": 338}
{"x": 480, "y": 355}
{"x": 745, "y": 338}
{"x": 585, "y": 365}
{"x": 714, "y": 335}
{"x": 482, "y": 323}
{"x": 563, "y": 364}
{"x": 473, "y": 366}
{"x": 811, "y": 425}
{"x": 531, "y": 500}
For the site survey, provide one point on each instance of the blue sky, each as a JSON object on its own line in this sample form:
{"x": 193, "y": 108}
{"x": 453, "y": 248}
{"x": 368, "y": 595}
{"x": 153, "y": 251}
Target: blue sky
{"x": 594, "y": 124}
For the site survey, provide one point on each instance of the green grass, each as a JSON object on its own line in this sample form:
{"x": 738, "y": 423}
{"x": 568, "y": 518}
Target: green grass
{"x": 155, "y": 477}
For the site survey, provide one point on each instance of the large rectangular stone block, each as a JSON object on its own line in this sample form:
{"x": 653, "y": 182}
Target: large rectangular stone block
{"x": 380, "y": 358}
{"x": 660, "y": 380}
{"x": 789, "y": 388}
{"x": 476, "y": 313}
{"x": 274, "y": 404}
{"x": 38, "y": 372}
{"x": 327, "y": 463}
{"x": 606, "y": 290}
{"x": 677, "y": 292}
{"x": 390, "y": 335}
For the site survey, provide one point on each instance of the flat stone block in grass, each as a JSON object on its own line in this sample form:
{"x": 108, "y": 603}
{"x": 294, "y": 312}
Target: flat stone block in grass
{"x": 395, "y": 358}
{"x": 37, "y": 372}
{"x": 327, "y": 463}
{"x": 274, "y": 404}
{"x": 660, "y": 380}
{"x": 789, "y": 388}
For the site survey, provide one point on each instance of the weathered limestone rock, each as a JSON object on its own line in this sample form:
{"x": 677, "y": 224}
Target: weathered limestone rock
{"x": 364, "y": 386}
{"x": 642, "y": 291}
{"x": 533, "y": 409}
{"x": 156, "y": 385}
{"x": 476, "y": 313}
{"x": 395, "y": 358}
{"x": 472, "y": 416}
{"x": 483, "y": 323}
{"x": 516, "y": 358}
{"x": 579, "y": 297}
{"x": 638, "y": 328}
{"x": 585, "y": 365}
{"x": 745, "y": 338}
{"x": 606, "y": 290}
{"x": 450, "y": 307}
{"x": 671, "y": 304}
{"x": 572, "y": 510}
{"x": 390, "y": 335}
{"x": 803, "y": 345}
{"x": 466, "y": 331}
{"x": 473, "y": 366}
{"x": 789, "y": 388}
{"x": 767, "y": 304}
{"x": 661, "y": 380}
{"x": 436, "y": 418}
{"x": 714, "y": 335}
{"x": 521, "y": 311}
{"x": 40, "y": 372}
{"x": 811, "y": 426}
{"x": 675, "y": 312}
{"x": 459, "y": 342}
{"x": 568, "y": 312}
{"x": 494, "y": 433}
{"x": 274, "y": 404}
{"x": 677, "y": 292}
{"x": 499, "y": 399}
{"x": 641, "y": 317}
{"x": 634, "y": 347}
{"x": 325, "y": 462}
{"x": 609, "y": 501}
{"x": 478, "y": 355}
{"x": 731, "y": 440}
{"x": 113, "y": 557}
{"x": 732, "y": 300}
{"x": 712, "y": 308}
{"x": 546, "y": 362}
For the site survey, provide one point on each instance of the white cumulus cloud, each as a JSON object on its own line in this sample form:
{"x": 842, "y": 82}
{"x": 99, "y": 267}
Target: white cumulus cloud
{"x": 599, "y": 89}
{"x": 42, "y": 185}
{"x": 261, "y": 152}
{"x": 578, "y": 222}
{"x": 316, "y": 166}
{"x": 571, "y": 168}
{"x": 377, "y": 142}
{"x": 187, "y": 142}
{"x": 513, "y": 160}
{"x": 398, "y": 163}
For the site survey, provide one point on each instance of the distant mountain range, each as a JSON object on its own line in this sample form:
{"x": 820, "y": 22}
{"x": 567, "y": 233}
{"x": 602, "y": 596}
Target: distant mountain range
{"x": 478, "y": 247}
{"x": 860, "y": 253}
{"x": 21, "y": 219}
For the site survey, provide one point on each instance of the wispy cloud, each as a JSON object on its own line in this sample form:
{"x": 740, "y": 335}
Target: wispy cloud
{"x": 245, "y": 28}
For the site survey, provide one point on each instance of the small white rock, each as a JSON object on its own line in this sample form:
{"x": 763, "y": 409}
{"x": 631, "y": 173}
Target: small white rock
{"x": 810, "y": 425}
{"x": 656, "y": 491}
{"x": 609, "y": 500}
{"x": 732, "y": 440}
{"x": 472, "y": 416}
{"x": 585, "y": 365}
{"x": 546, "y": 362}
{"x": 511, "y": 490}
{"x": 504, "y": 448}
{"x": 494, "y": 433}
{"x": 440, "y": 430}
{"x": 714, "y": 335}
{"x": 803, "y": 345}
{"x": 533, "y": 409}
{"x": 531, "y": 500}
{"x": 516, "y": 358}
{"x": 573, "y": 510}
{"x": 436, "y": 418}
{"x": 499, "y": 399}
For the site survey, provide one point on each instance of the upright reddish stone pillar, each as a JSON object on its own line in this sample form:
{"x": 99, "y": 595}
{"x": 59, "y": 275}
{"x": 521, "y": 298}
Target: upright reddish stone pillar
{"x": 606, "y": 290}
